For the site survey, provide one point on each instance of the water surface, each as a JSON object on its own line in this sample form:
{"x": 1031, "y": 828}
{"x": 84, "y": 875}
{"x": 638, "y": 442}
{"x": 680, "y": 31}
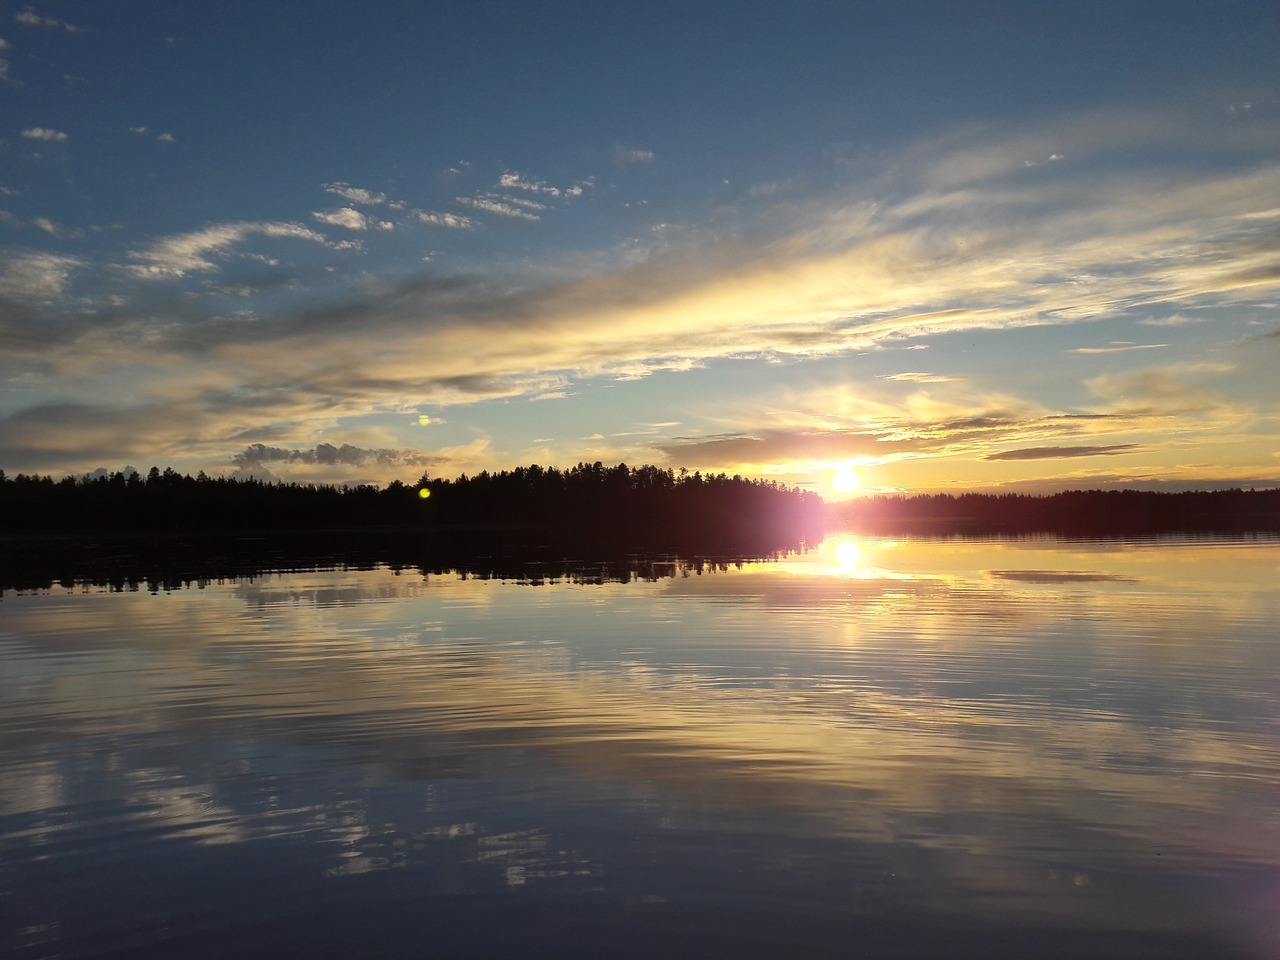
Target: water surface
{"x": 879, "y": 748}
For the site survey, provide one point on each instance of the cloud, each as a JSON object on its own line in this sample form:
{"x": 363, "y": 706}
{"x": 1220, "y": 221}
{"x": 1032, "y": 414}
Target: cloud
{"x": 905, "y": 422}
{"x": 45, "y": 134}
{"x": 450, "y": 220}
{"x": 347, "y": 217}
{"x": 29, "y": 18}
{"x": 774, "y": 446}
{"x": 1120, "y": 348}
{"x": 922, "y": 377}
{"x": 1136, "y": 481}
{"x": 327, "y": 454}
{"x": 193, "y": 252}
{"x": 874, "y": 265}
{"x": 35, "y": 277}
{"x": 165, "y": 138}
{"x": 504, "y": 207}
{"x": 524, "y": 202}
{"x": 69, "y": 434}
{"x": 1173, "y": 389}
{"x": 625, "y": 156}
{"x": 842, "y": 277}
{"x": 48, "y": 226}
{"x": 141, "y": 131}
{"x": 1059, "y": 453}
{"x": 514, "y": 181}
{"x": 1173, "y": 320}
{"x": 356, "y": 194}
{"x": 774, "y": 188}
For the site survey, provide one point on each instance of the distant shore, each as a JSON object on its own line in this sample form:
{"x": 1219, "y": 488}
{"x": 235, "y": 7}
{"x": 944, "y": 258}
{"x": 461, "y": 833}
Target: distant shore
{"x": 168, "y": 530}
{"x": 1092, "y": 513}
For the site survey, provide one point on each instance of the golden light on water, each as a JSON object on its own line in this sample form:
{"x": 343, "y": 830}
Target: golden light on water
{"x": 847, "y": 555}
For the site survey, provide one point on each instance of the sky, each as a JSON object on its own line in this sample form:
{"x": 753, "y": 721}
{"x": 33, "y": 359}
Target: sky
{"x": 921, "y": 247}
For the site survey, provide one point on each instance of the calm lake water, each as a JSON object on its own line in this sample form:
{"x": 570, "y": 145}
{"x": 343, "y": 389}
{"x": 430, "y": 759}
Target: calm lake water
{"x": 881, "y": 748}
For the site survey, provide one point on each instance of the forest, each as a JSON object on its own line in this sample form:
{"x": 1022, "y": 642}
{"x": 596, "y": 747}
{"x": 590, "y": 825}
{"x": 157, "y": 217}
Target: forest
{"x": 1093, "y": 513}
{"x": 589, "y": 523}
{"x": 644, "y": 507}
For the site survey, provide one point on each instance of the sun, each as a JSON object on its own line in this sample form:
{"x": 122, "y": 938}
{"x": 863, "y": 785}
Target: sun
{"x": 845, "y": 480}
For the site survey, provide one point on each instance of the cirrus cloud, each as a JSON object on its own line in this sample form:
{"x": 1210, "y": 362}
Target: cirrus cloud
{"x": 185, "y": 253}
{"x": 1062, "y": 453}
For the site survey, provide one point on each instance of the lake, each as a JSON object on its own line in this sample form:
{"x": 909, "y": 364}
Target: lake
{"x": 877, "y": 748}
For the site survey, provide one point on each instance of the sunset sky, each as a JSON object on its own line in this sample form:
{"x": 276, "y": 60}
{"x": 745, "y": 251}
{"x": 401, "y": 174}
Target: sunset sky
{"x": 944, "y": 246}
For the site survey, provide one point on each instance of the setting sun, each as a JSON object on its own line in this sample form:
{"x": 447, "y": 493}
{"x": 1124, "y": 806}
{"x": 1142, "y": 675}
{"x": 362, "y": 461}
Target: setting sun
{"x": 845, "y": 480}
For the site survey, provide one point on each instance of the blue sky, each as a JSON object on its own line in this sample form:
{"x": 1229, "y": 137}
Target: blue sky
{"x": 957, "y": 246}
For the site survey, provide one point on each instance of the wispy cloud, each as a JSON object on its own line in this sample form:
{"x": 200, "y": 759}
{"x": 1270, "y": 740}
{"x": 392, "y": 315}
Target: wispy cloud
{"x": 46, "y": 134}
{"x": 143, "y": 131}
{"x": 347, "y": 217}
{"x": 1061, "y": 453}
{"x": 195, "y": 252}
{"x": 35, "y": 277}
{"x": 515, "y": 181}
{"x": 625, "y": 156}
{"x": 356, "y": 194}
{"x": 503, "y": 207}
{"x": 49, "y": 227}
{"x": 1157, "y": 415}
{"x": 883, "y": 263}
{"x": 922, "y": 377}
{"x": 1120, "y": 348}
{"x": 29, "y": 18}
{"x": 1173, "y": 320}
{"x": 450, "y": 220}
{"x": 1173, "y": 389}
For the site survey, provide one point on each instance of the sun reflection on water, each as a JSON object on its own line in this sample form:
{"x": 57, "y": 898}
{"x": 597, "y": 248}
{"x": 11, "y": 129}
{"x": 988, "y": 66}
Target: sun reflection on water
{"x": 847, "y": 555}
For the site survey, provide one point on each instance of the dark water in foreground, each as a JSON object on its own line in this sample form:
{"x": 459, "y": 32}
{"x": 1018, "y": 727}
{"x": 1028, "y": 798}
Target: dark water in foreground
{"x": 880, "y": 749}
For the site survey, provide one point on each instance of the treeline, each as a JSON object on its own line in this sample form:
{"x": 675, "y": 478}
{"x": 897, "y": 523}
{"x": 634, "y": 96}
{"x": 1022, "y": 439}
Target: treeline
{"x": 1076, "y": 512}
{"x": 644, "y": 506}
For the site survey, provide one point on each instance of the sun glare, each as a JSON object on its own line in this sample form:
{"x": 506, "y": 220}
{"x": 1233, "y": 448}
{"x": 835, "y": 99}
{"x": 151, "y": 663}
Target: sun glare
{"x": 847, "y": 555}
{"x": 845, "y": 480}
